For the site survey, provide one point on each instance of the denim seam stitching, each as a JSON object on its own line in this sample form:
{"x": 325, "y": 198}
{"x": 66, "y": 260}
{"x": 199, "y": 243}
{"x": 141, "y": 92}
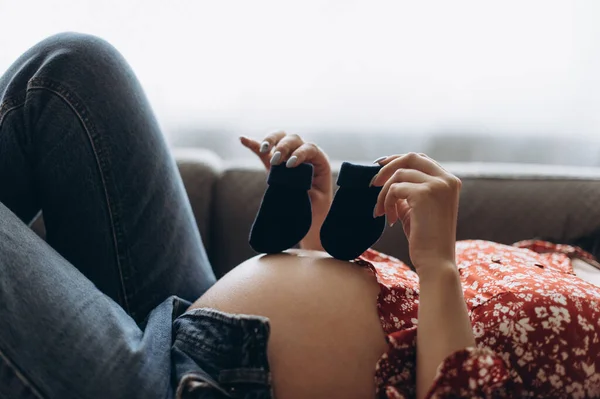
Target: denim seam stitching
{"x": 20, "y": 376}
{"x": 232, "y": 319}
{"x": 4, "y": 113}
{"x": 10, "y": 103}
{"x": 64, "y": 93}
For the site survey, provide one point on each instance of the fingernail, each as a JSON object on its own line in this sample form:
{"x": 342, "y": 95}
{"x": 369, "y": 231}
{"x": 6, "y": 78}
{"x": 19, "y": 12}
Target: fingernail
{"x": 392, "y": 224}
{"x": 291, "y": 162}
{"x": 275, "y": 158}
{"x": 372, "y": 180}
{"x": 264, "y": 147}
{"x": 380, "y": 159}
{"x": 375, "y": 212}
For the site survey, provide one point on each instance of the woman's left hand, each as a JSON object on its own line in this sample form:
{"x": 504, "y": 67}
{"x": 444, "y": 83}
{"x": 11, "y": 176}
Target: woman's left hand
{"x": 280, "y": 147}
{"x": 424, "y": 196}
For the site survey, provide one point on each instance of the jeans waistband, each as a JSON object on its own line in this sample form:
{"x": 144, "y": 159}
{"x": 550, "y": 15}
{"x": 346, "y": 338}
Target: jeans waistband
{"x": 221, "y": 355}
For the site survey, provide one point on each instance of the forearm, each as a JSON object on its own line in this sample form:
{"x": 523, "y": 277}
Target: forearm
{"x": 444, "y": 325}
{"x": 312, "y": 240}
{"x": 321, "y": 203}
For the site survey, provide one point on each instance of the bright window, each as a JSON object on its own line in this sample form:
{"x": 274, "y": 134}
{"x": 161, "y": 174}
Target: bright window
{"x": 393, "y": 67}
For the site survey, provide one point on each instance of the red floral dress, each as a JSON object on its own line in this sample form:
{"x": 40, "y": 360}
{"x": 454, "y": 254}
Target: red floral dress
{"x": 536, "y": 324}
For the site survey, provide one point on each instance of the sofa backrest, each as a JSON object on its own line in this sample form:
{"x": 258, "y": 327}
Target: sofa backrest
{"x": 499, "y": 202}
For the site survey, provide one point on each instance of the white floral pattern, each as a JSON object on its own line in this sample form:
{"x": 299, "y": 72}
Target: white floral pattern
{"x": 536, "y": 324}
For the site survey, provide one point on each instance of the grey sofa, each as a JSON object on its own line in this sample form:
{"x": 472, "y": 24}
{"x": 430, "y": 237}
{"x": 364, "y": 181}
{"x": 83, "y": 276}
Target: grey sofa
{"x": 499, "y": 202}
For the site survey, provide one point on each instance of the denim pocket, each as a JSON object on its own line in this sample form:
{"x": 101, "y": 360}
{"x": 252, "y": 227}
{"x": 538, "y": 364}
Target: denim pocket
{"x": 221, "y": 354}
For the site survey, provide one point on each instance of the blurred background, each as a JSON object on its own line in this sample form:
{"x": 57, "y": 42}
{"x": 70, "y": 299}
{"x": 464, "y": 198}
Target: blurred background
{"x": 510, "y": 81}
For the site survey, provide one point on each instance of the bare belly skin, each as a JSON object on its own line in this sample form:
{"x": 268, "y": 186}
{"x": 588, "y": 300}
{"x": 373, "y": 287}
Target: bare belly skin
{"x": 326, "y": 337}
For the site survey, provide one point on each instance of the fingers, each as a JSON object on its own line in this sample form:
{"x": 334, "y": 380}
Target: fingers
{"x": 293, "y": 151}
{"x": 383, "y": 159}
{"x": 403, "y": 211}
{"x": 255, "y": 146}
{"x": 270, "y": 141}
{"x": 284, "y": 148}
{"x": 251, "y": 144}
{"x": 433, "y": 160}
{"x": 407, "y": 161}
{"x": 389, "y": 158}
{"x": 395, "y": 200}
{"x": 307, "y": 153}
{"x": 399, "y": 176}
{"x": 273, "y": 149}
{"x": 386, "y": 159}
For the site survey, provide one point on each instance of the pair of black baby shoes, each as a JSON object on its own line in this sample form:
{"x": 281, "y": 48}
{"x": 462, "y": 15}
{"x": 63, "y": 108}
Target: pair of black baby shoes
{"x": 285, "y": 214}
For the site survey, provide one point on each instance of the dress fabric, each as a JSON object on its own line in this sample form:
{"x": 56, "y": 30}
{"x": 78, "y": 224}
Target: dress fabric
{"x": 536, "y": 324}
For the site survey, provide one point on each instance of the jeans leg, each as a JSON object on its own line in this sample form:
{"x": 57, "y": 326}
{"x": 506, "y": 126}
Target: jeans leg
{"x": 79, "y": 141}
{"x": 60, "y": 337}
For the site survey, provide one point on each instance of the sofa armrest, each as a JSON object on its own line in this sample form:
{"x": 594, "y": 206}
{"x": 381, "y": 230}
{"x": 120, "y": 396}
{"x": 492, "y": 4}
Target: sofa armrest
{"x": 200, "y": 169}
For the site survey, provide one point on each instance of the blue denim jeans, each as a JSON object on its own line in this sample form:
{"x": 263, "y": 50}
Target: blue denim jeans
{"x": 98, "y": 310}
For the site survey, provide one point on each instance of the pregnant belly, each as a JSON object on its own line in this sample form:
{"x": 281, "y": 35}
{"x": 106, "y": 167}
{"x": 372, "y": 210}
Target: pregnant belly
{"x": 326, "y": 337}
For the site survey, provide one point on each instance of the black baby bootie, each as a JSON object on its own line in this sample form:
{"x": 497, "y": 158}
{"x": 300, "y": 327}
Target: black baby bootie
{"x": 350, "y": 228}
{"x": 285, "y": 214}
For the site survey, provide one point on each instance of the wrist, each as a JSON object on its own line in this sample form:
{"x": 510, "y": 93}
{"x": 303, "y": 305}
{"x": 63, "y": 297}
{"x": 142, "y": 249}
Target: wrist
{"x": 321, "y": 203}
{"x": 438, "y": 270}
{"x": 311, "y": 242}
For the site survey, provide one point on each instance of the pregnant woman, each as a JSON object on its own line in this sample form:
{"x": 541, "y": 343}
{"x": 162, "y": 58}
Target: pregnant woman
{"x": 120, "y": 300}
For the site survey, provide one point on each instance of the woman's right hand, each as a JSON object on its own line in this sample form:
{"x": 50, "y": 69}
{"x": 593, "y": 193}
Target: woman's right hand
{"x": 280, "y": 147}
{"x": 424, "y": 197}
